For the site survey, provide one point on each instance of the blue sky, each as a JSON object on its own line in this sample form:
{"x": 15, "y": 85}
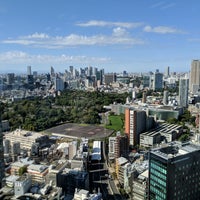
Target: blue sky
{"x": 117, "y": 35}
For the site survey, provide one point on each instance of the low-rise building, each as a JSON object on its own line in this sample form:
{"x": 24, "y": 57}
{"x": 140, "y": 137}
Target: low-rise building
{"x": 164, "y": 132}
{"x": 22, "y": 184}
{"x": 37, "y": 172}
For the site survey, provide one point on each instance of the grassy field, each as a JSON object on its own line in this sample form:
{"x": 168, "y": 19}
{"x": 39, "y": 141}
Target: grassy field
{"x": 116, "y": 123}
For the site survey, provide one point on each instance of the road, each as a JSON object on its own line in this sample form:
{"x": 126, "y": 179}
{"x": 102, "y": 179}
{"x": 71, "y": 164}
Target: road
{"x": 99, "y": 177}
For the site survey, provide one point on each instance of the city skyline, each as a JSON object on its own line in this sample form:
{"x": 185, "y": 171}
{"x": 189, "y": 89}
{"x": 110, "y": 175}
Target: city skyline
{"x": 136, "y": 36}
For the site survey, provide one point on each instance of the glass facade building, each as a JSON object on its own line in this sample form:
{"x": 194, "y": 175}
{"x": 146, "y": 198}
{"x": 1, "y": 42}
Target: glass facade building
{"x": 174, "y": 172}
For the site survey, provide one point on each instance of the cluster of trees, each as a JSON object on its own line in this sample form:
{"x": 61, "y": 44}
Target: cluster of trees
{"x": 72, "y": 106}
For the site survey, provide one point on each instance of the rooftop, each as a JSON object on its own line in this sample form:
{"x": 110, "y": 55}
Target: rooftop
{"x": 175, "y": 149}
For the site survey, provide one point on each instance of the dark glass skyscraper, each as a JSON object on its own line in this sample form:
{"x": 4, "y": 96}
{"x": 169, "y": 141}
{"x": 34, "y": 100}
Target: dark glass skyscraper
{"x": 174, "y": 172}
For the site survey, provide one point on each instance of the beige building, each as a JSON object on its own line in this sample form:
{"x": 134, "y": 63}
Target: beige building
{"x": 25, "y": 138}
{"x": 194, "y": 84}
{"x": 37, "y": 172}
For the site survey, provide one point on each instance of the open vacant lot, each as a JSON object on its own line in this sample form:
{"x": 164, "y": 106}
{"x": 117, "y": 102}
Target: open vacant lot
{"x": 71, "y": 130}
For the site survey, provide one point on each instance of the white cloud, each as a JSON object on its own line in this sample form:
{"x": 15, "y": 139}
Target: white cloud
{"x": 163, "y": 5}
{"x": 37, "y": 36}
{"x": 19, "y": 57}
{"x": 110, "y": 24}
{"x": 161, "y": 29}
{"x": 119, "y": 37}
{"x": 118, "y": 32}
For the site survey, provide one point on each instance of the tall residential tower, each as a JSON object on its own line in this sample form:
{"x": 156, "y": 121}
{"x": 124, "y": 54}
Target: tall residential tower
{"x": 195, "y": 76}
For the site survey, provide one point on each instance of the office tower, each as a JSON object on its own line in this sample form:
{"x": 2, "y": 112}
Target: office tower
{"x": 59, "y": 84}
{"x": 165, "y": 97}
{"x": 95, "y": 71}
{"x": 52, "y": 72}
{"x": 30, "y": 79}
{"x": 195, "y": 76}
{"x": 174, "y": 172}
{"x": 2, "y": 167}
{"x": 135, "y": 123}
{"x": 167, "y": 72}
{"x": 90, "y": 71}
{"x": 109, "y": 78}
{"x": 71, "y": 69}
{"x": 10, "y": 78}
{"x": 35, "y": 74}
{"x": 183, "y": 92}
{"x": 28, "y": 70}
{"x": 146, "y": 81}
{"x": 157, "y": 80}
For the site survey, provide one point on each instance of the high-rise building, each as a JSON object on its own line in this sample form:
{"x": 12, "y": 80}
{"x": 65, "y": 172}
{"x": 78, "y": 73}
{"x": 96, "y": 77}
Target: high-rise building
{"x": 52, "y": 72}
{"x": 121, "y": 146}
{"x": 174, "y": 172}
{"x": 59, "y": 84}
{"x": 10, "y": 78}
{"x": 135, "y": 123}
{"x": 167, "y": 72}
{"x": 29, "y": 70}
{"x": 195, "y": 76}
{"x": 165, "y": 97}
{"x": 2, "y": 167}
{"x": 109, "y": 78}
{"x": 157, "y": 80}
{"x": 183, "y": 92}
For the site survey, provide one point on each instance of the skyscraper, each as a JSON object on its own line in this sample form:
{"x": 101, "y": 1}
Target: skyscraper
{"x": 29, "y": 70}
{"x": 157, "y": 80}
{"x": 174, "y": 172}
{"x": 195, "y": 76}
{"x": 167, "y": 72}
{"x": 183, "y": 92}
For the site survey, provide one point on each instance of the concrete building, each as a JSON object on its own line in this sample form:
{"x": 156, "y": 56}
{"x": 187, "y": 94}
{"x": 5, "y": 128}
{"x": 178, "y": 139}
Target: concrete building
{"x": 6, "y": 146}
{"x": 29, "y": 70}
{"x": 26, "y": 138}
{"x": 195, "y": 76}
{"x": 183, "y": 92}
{"x": 135, "y": 123}
{"x": 16, "y": 167}
{"x": 140, "y": 187}
{"x": 111, "y": 148}
{"x": 109, "y": 78}
{"x": 163, "y": 133}
{"x": 121, "y": 146}
{"x": 165, "y": 97}
{"x": 70, "y": 179}
{"x": 119, "y": 169}
{"x": 174, "y": 172}
{"x": 37, "y": 172}
{"x": 81, "y": 194}
{"x": 2, "y": 167}
{"x": 22, "y": 185}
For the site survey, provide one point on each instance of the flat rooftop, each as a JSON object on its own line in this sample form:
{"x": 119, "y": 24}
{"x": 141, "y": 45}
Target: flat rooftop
{"x": 72, "y": 130}
{"x": 175, "y": 149}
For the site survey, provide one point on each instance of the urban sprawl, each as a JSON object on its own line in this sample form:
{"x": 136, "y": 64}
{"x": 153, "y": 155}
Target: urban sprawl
{"x": 84, "y": 134}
